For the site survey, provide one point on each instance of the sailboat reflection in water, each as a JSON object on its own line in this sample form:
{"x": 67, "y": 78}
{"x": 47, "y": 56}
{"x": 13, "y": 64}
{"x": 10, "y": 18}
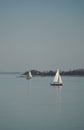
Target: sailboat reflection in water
{"x": 57, "y": 80}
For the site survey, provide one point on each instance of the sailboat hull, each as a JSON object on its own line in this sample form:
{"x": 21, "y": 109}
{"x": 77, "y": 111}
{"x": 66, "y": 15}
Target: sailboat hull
{"x": 56, "y": 84}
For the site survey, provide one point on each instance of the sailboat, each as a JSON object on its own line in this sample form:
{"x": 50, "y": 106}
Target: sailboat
{"x": 57, "y": 80}
{"x": 29, "y": 75}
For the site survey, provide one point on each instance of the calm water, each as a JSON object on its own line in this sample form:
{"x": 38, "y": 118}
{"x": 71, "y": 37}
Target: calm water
{"x": 35, "y": 105}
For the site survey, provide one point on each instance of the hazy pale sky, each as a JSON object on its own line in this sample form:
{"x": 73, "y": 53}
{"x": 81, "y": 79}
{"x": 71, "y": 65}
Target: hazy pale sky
{"x": 41, "y": 34}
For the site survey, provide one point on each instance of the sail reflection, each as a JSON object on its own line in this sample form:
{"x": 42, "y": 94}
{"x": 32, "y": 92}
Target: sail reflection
{"x": 58, "y": 90}
{"x": 58, "y": 98}
{"x": 28, "y": 88}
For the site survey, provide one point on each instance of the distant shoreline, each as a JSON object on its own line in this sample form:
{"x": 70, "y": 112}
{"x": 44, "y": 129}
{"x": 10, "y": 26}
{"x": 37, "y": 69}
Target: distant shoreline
{"x": 77, "y": 72}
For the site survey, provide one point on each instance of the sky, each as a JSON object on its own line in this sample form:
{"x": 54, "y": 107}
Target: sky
{"x": 41, "y": 34}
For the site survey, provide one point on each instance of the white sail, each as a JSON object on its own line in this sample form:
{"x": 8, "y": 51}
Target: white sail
{"x": 57, "y": 78}
{"x": 29, "y": 76}
{"x": 60, "y": 79}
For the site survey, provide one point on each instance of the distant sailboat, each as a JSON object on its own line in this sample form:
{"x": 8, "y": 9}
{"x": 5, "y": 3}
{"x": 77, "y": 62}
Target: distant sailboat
{"x": 29, "y": 75}
{"x": 57, "y": 80}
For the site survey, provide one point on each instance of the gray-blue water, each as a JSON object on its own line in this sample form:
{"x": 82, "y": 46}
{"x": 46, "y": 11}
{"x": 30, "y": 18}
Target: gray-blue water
{"x": 35, "y": 105}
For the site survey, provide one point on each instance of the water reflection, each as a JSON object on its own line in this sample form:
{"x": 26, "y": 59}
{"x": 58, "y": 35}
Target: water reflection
{"x": 58, "y": 90}
{"x": 28, "y": 87}
{"x": 58, "y": 98}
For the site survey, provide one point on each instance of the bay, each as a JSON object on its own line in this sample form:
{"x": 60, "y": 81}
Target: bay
{"x": 35, "y": 105}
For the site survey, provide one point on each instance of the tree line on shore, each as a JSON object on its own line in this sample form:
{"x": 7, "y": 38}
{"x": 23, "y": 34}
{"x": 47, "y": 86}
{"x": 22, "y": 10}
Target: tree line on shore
{"x": 77, "y": 72}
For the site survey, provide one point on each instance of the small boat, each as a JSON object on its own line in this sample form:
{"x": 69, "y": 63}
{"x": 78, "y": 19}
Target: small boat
{"x": 57, "y": 80}
{"x": 29, "y": 75}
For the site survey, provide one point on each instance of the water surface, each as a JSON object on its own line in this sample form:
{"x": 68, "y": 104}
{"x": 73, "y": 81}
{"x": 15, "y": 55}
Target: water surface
{"x": 35, "y": 105}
